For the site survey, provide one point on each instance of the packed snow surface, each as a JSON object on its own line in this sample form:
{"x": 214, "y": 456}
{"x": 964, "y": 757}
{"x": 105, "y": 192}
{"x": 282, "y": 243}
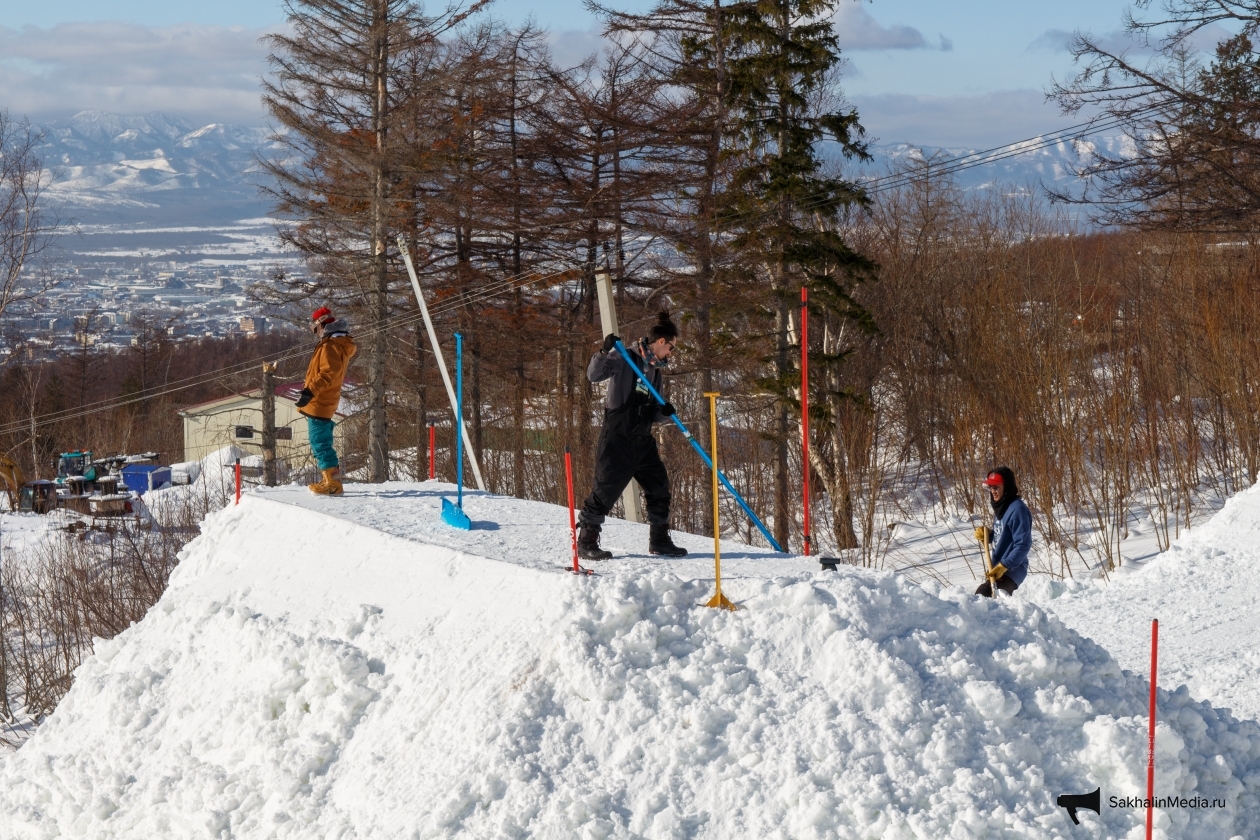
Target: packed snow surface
{"x": 1206, "y": 595}
{"x": 353, "y": 668}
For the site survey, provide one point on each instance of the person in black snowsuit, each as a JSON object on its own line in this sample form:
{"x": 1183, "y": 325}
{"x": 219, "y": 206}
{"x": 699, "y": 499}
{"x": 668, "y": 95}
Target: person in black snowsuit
{"x": 626, "y": 447}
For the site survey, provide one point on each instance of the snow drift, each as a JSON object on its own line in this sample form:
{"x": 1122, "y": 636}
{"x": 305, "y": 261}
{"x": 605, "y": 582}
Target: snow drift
{"x": 348, "y": 668}
{"x": 1205, "y": 593}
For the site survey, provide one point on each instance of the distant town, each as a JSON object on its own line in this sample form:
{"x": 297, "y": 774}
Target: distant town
{"x": 113, "y": 304}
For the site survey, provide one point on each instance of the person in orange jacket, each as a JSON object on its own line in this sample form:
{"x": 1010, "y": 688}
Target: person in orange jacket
{"x": 321, "y": 394}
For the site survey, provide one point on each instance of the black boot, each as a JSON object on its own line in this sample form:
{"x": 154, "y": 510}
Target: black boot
{"x": 588, "y": 544}
{"x": 660, "y": 543}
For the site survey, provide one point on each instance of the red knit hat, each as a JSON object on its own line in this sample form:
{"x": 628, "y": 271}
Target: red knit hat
{"x": 323, "y": 315}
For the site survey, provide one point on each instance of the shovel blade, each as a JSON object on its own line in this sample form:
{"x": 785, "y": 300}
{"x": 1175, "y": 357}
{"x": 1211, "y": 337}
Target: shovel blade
{"x": 455, "y": 517}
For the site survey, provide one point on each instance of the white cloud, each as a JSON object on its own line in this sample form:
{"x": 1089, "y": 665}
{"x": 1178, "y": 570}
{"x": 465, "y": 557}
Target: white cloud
{"x": 570, "y": 47}
{"x": 1119, "y": 41}
{"x": 200, "y": 71}
{"x": 857, "y": 29}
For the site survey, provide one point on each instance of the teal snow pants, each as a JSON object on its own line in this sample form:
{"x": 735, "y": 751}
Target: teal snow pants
{"x": 320, "y": 433}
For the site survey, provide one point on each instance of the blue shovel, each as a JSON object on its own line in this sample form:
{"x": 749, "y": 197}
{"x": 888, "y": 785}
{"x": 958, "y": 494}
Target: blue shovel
{"x": 453, "y": 514}
{"x": 708, "y": 462}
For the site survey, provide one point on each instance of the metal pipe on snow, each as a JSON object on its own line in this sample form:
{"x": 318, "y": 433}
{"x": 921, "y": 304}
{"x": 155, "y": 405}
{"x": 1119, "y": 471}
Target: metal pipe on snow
{"x": 625, "y": 354}
{"x": 718, "y": 600}
{"x": 437, "y": 353}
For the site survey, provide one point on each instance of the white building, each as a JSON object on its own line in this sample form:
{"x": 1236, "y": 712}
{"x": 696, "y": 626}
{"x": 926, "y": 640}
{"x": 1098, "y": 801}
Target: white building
{"x": 238, "y": 419}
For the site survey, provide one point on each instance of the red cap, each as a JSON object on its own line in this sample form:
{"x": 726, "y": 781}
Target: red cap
{"x": 323, "y": 315}
{"x": 993, "y": 480}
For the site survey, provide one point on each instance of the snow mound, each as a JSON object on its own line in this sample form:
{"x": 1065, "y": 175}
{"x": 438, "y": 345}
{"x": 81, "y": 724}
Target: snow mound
{"x": 1205, "y": 594}
{"x": 306, "y": 675}
{"x": 212, "y": 483}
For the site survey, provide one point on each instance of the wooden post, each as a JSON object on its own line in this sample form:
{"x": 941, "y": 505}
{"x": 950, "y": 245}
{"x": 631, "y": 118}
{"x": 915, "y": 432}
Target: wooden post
{"x": 608, "y": 320}
{"x": 269, "y": 424}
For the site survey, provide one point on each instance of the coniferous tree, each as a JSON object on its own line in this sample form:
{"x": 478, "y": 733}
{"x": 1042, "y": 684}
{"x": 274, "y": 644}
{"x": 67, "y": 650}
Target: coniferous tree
{"x": 683, "y": 44}
{"x": 781, "y": 207}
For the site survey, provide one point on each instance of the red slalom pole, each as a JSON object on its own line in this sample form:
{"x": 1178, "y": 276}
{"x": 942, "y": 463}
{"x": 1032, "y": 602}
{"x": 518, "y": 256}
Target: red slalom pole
{"x": 805, "y": 405}
{"x": 238, "y": 481}
{"x": 568, "y": 478}
{"x": 432, "y": 450}
{"x": 1150, "y": 744}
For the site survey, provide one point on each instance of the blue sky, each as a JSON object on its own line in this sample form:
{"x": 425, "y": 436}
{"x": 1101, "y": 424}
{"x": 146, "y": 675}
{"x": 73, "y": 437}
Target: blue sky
{"x": 965, "y": 73}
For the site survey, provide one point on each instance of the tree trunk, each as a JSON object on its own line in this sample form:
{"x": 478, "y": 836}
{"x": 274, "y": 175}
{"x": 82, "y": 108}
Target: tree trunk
{"x": 378, "y": 440}
{"x": 422, "y": 411}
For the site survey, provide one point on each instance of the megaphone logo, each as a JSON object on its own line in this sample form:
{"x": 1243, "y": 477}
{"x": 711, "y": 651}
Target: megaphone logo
{"x": 1087, "y": 801}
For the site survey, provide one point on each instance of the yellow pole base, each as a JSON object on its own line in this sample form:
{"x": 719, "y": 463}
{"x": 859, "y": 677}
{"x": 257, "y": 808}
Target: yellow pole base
{"x": 721, "y": 602}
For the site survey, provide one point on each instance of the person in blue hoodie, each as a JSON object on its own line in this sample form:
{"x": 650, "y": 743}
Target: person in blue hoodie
{"x": 1011, "y": 536}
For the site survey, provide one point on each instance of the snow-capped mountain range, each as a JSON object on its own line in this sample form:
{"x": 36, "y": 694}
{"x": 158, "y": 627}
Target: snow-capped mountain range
{"x": 114, "y": 168}
{"x": 159, "y": 169}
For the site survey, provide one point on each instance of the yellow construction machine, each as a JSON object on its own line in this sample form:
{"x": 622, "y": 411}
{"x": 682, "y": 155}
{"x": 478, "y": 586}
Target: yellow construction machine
{"x": 33, "y": 496}
{"x": 13, "y": 478}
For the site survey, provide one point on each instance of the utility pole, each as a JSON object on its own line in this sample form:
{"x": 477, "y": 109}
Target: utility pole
{"x": 269, "y": 423}
{"x": 608, "y": 319}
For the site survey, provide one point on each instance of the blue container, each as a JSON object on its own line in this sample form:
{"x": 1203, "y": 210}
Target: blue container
{"x": 160, "y": 478}
{"x": 136, "y": 476}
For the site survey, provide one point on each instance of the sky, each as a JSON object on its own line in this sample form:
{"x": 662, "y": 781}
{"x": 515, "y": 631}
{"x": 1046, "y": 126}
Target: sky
{"x": 970, "y": 73}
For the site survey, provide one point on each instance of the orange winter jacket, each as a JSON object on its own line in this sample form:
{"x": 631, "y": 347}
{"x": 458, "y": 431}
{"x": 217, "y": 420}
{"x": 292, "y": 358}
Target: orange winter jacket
{"x": 325, "y": 374}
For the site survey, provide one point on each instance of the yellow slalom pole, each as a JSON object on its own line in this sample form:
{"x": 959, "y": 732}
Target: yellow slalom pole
{"x": 718, "y": 600}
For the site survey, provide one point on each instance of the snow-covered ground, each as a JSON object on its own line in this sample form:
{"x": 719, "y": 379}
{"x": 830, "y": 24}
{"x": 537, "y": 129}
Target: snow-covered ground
{"x": 923, "y": 542}
{"x": 354, "y": 668}
{"x": 1206, "y": 595}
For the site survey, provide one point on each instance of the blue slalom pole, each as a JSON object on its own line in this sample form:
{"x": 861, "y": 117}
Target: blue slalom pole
{"x": 625, "y": 354}
{"x": 454, "y": 515}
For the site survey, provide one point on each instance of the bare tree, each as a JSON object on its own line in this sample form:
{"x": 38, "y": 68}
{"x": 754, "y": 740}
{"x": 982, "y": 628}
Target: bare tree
{"x": 341, "y": 90}
{"x": 27, "y": 229}
{"x": 1193, "y": 128}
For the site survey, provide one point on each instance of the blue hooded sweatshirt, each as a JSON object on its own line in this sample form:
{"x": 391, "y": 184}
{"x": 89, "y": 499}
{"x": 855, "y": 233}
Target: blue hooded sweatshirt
{"x": 1012, "y": 538}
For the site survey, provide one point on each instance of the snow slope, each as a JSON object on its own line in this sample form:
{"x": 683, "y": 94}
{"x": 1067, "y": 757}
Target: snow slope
{"x": 1206, "y": 595}
{"x": 352, "y": 668}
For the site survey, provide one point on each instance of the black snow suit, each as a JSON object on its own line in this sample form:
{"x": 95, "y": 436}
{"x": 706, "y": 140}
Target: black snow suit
{"x": 626, "y": 447}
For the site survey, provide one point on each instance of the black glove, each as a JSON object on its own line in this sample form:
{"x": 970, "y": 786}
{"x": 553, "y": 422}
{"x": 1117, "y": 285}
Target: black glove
{"x": 668, "y": 409}
{"x": 306, "y": 396}
{"x": 610, "y": 341}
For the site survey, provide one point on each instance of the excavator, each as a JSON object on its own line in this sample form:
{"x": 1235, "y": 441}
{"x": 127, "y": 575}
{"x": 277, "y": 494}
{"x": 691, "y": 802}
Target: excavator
{"x": 33, "y": 496}
{"x": 13, "y": 479}
{"x": 84, "y": 485}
